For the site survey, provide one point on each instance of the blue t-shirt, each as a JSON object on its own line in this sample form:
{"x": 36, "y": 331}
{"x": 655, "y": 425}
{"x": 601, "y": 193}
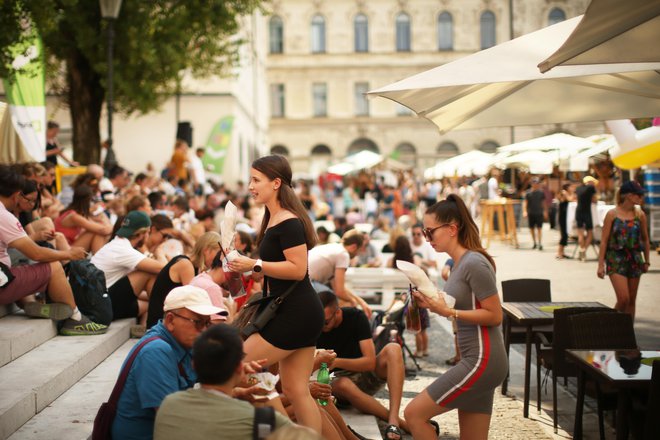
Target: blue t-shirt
{"x": 153, "y": 376}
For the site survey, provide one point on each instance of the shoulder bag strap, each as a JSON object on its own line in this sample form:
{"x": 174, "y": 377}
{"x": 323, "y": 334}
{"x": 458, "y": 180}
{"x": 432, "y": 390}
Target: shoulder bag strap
{"x": 119, "y": 385}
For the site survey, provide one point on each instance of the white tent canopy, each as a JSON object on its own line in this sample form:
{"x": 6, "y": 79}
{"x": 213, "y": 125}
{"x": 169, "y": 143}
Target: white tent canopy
{"x": 556, "y": 141}
{"x": 473, "y": 162}
{"x": 538, "y": 162}
{"x": 580, "y": 161}
{"x": 502, "y": 86}
{"x": 612, "y": 31}
{"x": 363, "y": 160}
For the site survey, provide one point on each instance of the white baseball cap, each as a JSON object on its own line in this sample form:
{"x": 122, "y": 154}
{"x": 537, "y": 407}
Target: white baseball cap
{"x": 192, "y": 298}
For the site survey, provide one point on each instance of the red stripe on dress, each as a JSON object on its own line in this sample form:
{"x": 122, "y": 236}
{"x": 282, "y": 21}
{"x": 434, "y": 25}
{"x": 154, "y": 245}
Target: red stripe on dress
{"x": 480, "y": 369}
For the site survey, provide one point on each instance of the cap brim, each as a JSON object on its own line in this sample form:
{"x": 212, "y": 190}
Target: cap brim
{"x": 207, "y": 310}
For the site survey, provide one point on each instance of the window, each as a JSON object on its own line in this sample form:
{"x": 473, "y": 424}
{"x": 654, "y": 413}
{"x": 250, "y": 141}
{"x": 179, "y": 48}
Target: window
{"x": 361, "y": 100}
{"x": 403, "y": 32}
{"x": 276, "y": 32}
{"x": 487, "y": 29}
{"x": 361, "y": 28}
{"x": 406, "y": 153}
{"x": 320, "y": 98}
{"x": 277, "y": 100}
{"x": 556, "y": 16}
{"x": 279, "y": 149}
{"x": 321, "y": 150}
{"x": 489, "y": 147}
{"x": 445, "y": 31}
{"x": 318, "y": 34}
{"x": 362, "y": 144}
{"x": 402, "y": 110}
{"x": 447, "y": 149}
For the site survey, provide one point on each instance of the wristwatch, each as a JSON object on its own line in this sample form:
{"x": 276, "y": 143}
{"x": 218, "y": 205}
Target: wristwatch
{"x": 257, "y": 266}
{"x": 453, "y": 316}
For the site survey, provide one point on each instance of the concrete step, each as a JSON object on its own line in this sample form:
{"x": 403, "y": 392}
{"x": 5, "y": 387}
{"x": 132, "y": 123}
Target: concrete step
{"x": 7, "y": 309}
{"x": 20, "y": 334}
{"x": 72, "y": 414}
{"x": 31, "y": 382}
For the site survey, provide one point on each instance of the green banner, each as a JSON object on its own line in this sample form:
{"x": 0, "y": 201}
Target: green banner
{"x": 26, "y": 94}
{"x": 218, "y": 144}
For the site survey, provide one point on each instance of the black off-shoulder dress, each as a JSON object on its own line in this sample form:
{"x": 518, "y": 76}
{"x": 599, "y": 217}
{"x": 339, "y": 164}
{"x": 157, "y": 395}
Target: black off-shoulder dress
{"x": 299, "y": 320}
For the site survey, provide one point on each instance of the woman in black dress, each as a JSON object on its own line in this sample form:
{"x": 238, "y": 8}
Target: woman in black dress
{"x": 285, "y": 236}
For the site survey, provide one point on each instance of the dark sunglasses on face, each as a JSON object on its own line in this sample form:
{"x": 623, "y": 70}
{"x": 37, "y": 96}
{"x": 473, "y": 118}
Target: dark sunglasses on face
{"x": 428, "y": 232}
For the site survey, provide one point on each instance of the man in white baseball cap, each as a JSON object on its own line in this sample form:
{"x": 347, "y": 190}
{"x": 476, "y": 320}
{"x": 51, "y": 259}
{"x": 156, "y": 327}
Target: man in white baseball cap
{"x": 164, "y": 364}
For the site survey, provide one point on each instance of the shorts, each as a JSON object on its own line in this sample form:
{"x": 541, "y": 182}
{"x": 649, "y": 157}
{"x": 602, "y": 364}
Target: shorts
{"x": 30, "y": 279}
{"x": 367, "y": 381}
{"x": 624, "y": 262}
{"x": 535, "y": 220}
{"x": 584, "y": 221}
{"x": 124, "y": 300}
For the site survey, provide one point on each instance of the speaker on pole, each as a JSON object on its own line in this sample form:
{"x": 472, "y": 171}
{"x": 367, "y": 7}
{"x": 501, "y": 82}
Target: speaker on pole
{"x": 184, "y": 131}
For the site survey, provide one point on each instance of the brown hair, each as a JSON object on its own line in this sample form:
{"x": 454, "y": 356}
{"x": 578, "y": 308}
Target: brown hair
{"x": 277, "y": 167}
{"x": 352, "y": 236}
{"x": 453, "y": 210}
{"x": 209, "y": 239}
{"x": 136, "y": 202}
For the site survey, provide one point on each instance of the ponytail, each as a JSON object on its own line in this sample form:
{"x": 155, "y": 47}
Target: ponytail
{"x": 453, "y": 210}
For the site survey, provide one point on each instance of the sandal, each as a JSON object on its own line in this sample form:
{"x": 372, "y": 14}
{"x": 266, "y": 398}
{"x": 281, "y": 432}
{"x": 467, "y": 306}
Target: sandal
{"x": 435, "y": 426}
{"x": 359, "y": 436}
{"x": 393, "y": 429}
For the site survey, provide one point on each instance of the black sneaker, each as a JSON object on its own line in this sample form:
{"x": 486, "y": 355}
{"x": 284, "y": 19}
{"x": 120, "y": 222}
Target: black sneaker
{"x": 54, "y": 311}
{"x": 540, "y": 247}
{"x": 84, "y": 327}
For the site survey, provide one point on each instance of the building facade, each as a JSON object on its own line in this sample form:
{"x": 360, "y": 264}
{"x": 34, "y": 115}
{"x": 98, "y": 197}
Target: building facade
{"x": 324, "y": 55}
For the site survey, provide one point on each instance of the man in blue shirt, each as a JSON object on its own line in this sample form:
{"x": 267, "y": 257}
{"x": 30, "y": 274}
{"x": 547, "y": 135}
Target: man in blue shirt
{"x": 163, "y": 366}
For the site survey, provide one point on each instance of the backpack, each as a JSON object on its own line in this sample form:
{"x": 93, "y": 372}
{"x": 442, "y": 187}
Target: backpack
{"x": 90, "y": 292}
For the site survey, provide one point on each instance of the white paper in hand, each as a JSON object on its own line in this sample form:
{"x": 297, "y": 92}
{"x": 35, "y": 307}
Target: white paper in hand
{"x": 228, "y": 227}
{"x": 418, "y": 278}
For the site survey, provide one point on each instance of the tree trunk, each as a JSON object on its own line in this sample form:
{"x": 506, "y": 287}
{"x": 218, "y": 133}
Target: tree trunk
{"x": 85, "y": 104}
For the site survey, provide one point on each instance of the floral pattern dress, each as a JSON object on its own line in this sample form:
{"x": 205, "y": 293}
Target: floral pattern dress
{"x": 624, "y": 255}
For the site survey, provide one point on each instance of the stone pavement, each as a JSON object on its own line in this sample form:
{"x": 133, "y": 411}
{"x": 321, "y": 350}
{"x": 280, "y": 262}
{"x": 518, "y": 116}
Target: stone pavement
{"x": 571, "y": 280}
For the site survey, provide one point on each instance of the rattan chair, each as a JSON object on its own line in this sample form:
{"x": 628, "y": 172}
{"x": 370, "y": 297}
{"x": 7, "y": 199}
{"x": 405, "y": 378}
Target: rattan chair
{"x": 602, "y": 331}
{"x": 522, "y": 290}
{"x": 552, "y": 356}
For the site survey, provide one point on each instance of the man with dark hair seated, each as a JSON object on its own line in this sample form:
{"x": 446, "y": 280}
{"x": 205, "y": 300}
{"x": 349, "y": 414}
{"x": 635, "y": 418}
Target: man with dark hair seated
{"x": 210, "y": 411}
{"x": 347, "y": 347}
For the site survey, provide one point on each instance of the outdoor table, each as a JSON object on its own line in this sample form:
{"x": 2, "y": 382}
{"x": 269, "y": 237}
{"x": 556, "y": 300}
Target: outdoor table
{"x": 386, "y": 280}
{"x": 603, "y": 366}
{"x": 530, "y": 314}
{"x": 506, "y": 220}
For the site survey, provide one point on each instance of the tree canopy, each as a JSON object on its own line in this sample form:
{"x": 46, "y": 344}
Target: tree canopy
{"x": 156, "y": 41}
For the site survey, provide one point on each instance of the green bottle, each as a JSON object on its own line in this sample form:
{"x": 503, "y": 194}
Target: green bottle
{"x": 323, "y": 376}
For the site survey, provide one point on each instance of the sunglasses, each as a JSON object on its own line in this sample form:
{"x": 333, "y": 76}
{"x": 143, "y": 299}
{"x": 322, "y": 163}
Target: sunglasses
{"x": 200, "y": 324}
{"x": 428, "y": 232}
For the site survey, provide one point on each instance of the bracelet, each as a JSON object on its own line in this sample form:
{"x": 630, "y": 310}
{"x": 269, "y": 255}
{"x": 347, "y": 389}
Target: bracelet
{"x": 455, "y": 315}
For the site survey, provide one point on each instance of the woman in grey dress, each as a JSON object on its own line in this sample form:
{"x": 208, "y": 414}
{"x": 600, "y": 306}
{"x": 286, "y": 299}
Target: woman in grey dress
{"x": 469, "y": 385}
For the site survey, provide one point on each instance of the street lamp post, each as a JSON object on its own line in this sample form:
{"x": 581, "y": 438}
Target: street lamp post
{"x": 110, "y": 12}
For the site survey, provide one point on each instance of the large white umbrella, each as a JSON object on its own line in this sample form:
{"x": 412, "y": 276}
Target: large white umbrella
{"x": 462, "y": 165}
{"x": 612, "y": 31}
{"x": 502, "y": 86}
{"x": 538, "y": 162}
{"x": 556, "y": 141}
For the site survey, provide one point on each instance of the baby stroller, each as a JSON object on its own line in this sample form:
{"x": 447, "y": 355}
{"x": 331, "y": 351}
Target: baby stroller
{"x": 383, "y": 323}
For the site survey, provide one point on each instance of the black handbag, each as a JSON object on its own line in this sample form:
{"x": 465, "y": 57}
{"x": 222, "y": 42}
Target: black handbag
{"x": 260, "y": 319}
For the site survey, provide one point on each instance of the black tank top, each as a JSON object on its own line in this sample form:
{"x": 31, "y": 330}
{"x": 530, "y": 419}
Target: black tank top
{"x": 162, "y": 286}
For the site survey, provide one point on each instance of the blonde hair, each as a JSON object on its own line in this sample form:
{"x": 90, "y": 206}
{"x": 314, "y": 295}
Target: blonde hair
{"x": 208, "y": 240}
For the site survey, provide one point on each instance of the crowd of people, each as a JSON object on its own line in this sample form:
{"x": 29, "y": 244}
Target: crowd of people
{"x": 156, "y": 240}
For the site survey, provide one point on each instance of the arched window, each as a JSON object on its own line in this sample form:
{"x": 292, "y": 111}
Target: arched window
{"x": 361, "y": 26}
{"x": 487, "y": 29}
{"x": 276, "y": 32}
{"x": 447, "y": 149}
{"x": 406, "y": 153}
{"x": 445, "y": 31}
{"x": 362, "y": 144}
{"x": 403, "y": 32}
{"x": 280, "y": 150}
{"x": 555, "y": 16}
{"x": 489, "y": 147}
{"x": 318, "y": 34}
{"x": 321, "y": 150}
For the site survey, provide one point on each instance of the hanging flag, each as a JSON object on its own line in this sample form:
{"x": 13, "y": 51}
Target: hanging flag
{"x": 217, "y": 145}
{"x": 26, "y": 94}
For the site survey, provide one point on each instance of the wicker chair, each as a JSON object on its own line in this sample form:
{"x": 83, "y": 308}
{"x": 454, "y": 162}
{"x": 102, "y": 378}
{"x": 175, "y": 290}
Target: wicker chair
{"x": 552, "y": 356}
{"x": 602, "y": 331}
{"x": 522, "y": 290}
